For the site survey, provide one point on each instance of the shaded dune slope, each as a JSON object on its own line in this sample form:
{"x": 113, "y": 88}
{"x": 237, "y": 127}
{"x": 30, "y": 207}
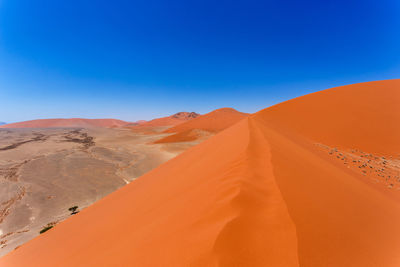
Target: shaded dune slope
{"x": 204, "y": 125}
{"x": 66, "y": 123}
{"x": 260, "y": 193}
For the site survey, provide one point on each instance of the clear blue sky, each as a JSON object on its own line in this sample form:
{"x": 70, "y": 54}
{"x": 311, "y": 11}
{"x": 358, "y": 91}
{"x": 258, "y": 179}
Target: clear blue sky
{"x": 142, "y": 59}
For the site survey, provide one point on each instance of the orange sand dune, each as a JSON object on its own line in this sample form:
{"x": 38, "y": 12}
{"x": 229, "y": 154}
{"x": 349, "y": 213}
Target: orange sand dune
{"x": 214, "y": 121}
{"x": 360, "y": 115}
{"x": 275, "y": 189}
{"x": 172, "y": 120}
{"x": 204, "y": 125}
{"x": 65, "y": 123}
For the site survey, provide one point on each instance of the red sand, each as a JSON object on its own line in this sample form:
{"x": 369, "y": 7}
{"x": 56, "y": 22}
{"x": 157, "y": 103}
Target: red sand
{"x": 212, "y": 122}
{"x": 260, "y": 193}
{"x": 66, "y": 123}
{"x": 172, "y": 120}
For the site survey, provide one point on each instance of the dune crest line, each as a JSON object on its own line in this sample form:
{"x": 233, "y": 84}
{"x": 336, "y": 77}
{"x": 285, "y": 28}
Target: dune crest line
{"x": 261, "y": 213}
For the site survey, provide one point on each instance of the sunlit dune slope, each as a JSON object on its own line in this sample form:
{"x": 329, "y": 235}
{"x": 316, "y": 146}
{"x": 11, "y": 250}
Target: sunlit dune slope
{"x": 172, "y": 120}
{"x": 360, "y": 115}
{"x": 204, "y": 125}
{"x": 214, "y": 121}
{"x": 345, "y": 215}
{"x": 276, "y": 189}
{"x": 66, "y": 123}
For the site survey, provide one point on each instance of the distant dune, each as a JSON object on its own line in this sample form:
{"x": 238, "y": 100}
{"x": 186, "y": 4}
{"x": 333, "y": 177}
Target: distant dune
{"x": 172, "y": 120}
{"x": 139, "y": 122}
{"x": 66, "y": 123}
{"x": 209, "y": 123}
{"x": 313, "y": 181}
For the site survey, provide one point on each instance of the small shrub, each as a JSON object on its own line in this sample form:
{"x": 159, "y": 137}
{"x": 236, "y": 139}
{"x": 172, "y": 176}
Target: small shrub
{"x": 73, "y": 210}
{"x": 45, "y": 229}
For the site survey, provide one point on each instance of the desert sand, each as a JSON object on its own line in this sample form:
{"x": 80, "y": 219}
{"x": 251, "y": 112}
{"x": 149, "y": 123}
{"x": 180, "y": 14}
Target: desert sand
{"x": 204, "y": 126}
{"x": 67, "y": 123}
{"x": 295, "y": 184}
{"x": 172, "y": 120}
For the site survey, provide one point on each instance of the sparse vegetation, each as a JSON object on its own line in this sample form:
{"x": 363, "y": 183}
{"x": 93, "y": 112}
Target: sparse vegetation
{"x": 378, "y": 168}
{"x": 73, "y": 210}
{"x": 81, "y": 138}
{"x": 45, "y": 229}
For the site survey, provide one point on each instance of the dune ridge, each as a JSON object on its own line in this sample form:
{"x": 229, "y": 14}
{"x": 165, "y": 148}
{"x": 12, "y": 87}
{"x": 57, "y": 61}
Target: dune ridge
{"x": 263, "y": 192}
{"x": 66, "y": 123}
{"x": 213, "y": 121}
{"x": 172, "y": 120}
{"x": 203, "y": 126}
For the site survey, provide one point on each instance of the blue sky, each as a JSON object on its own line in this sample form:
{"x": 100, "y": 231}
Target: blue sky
{"x": 143, "y": 59}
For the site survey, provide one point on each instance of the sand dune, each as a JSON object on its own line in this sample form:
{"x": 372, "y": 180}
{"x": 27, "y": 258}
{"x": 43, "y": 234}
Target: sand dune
{"x": 203, "y": 126}
{"x": 214, "y": 121}
{"x": 359, "y": 115}
{"x": 303, "y": 183}
{"x": 67, "y": 123}
{"x": 172, "y": 120}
